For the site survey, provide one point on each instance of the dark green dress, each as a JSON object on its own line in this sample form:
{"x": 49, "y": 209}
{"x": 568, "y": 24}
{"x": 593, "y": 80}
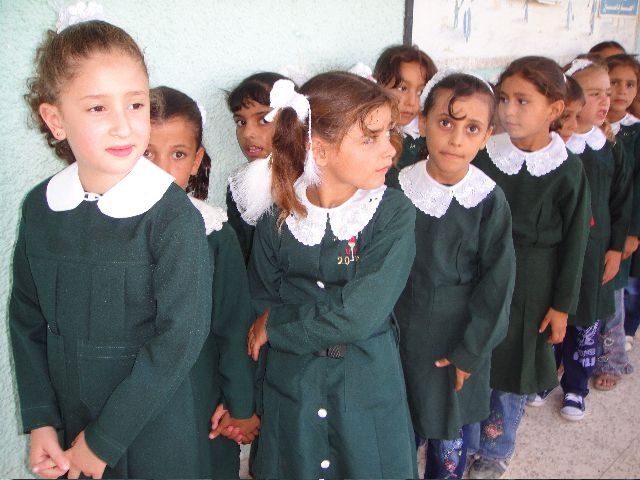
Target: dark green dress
{"x": 411, "y": 148}
{"x": 456, "y": 302}
{"x": 610, "y": 186}
{"x": 110, "y": 308}
{"x": 224, "y": 355}
{"x": 548, "y": 193}
{"x": 329, "y": 283}
{"x": 243, "y": 230}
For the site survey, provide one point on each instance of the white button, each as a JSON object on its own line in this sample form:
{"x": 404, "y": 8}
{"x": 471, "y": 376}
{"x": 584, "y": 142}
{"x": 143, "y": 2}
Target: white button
{"x": 320, "y": 284}
{"x": 322, "y": 413}
{"x": 325, "y": 464}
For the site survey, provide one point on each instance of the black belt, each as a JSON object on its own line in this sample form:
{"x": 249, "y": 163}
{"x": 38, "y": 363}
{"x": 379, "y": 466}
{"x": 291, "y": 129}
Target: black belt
{"x": 337, "y": 351}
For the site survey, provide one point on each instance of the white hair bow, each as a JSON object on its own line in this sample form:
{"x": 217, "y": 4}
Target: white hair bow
{"x": 577, "y": 65}
{"x": 78, "y": 12}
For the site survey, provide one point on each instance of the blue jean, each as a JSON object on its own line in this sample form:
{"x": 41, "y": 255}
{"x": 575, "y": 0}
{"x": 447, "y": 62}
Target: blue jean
{"x": 495, "y": 437}
{"x": 578, "y": 354}
{"x": 632, "y": 307}
{"x": 445, "y": 458}
{"x": 612, "y": 357}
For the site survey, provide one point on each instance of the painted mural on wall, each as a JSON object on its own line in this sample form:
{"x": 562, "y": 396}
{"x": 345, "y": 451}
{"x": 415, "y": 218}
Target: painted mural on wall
{"x": 489, "y": 33}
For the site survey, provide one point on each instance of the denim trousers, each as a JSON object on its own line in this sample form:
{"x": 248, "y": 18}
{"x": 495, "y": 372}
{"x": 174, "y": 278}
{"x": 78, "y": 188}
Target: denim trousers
{"x": 445, "y": 458}
{"x": 632, "y": 307}
{"x": 612, "y": 357}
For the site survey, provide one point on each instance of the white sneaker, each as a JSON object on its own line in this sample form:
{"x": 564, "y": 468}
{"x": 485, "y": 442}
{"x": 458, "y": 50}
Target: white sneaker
{"x": 573, "y": 407}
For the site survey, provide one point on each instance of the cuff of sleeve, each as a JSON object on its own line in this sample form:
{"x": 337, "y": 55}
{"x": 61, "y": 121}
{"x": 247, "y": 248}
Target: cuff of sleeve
{"x": 41, "y": 416}
{"x": 104, "y": 447}
{"x": 465, "y": 360}
{"x": 563, "y": 304}
{"x": 239, "y": 407}
{"x": 617, "y": 243}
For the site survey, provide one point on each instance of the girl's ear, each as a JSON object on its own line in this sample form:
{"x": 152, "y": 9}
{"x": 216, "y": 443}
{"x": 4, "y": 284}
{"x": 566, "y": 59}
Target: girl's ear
{"x": 319, "y": 150}
{"x": 487, "y": 135}
{"x": 422, "y": 124}
{"x": 53, "y": 118}
{"x": 556, "y": 109}
{"x": 197, "y": 161}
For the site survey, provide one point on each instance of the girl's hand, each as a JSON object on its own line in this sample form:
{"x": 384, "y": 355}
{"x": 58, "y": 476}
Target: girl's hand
{"x": 83, "y": 460}
{"x": 46, "y": 457}
{"x": 257, "y": 335}
{"x": 461, "y": 375}
{"x": 558, "y": 322}
{"x": 611, "y": 265}
{"x": 630, "y": 246}
{"x": 218, "y": 414}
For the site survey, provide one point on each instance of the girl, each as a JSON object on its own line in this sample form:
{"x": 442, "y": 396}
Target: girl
{"x": 548, "y": 194}
{"x": 333, "y": 393}
{"x": 610, "y": 206}
{"x": 176, "y": 147}
{"x": 404, "y": 71}
{"x": 455, "y": 307}
{"x": 567, "y": 124}
{"x": 606, "y": 49}
{"x": 111, "y": 299}
{"x": 249, "y": 103}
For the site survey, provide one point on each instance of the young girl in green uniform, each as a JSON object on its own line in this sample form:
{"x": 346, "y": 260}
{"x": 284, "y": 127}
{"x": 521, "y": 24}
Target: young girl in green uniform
{"x": 547, "y": 191}
{"x": 176, "y": 147}
{"x": 327, "y": 267}
{"x": 111, "y": 299}
{"x": 404, "y": 71}
{"x": 455, "y": 308}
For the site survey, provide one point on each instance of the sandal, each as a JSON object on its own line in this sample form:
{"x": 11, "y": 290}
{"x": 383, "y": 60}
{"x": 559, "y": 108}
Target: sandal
{"x": 605, "y": 381}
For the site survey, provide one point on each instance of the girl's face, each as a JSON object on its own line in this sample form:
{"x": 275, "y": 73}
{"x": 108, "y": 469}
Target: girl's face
{"x": 362, "y": 158}
{"x": 408, "y": 91}
{"x": 569, "y": 119}
{"x": 103, "y": 112}
{"x": 253, "y": 133}
{"x": 525, "y": 113}
{"x": 453, "y": 143}
{"x": 624, "y": 88}
{"x": 597, "y": 92}
{"x": 173, "y": 148}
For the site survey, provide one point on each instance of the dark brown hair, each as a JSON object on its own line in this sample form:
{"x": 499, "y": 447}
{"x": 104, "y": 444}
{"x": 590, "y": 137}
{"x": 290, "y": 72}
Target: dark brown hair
{"x": 256, "y": 88}
{"x": 58, "y": 59}
{"x": 574, "y": 94}
{"x": 387, "y": 69}
{"x": 545, "y": 75}
{"x": 168, "y": 103}
{"x": 598, "y": 47}
{"x": 623, "y": 60}
{"x": 338, "y": 100}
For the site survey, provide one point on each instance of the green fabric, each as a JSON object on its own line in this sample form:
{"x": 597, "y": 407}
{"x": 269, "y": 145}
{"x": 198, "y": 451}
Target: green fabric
{"x": 243, "y": 230}
{"x": 455, "y": 306}
{"x": 111, "y": 315}
{"x": 551, "y": 217}
{"x": 411, "y": 149}
{"x": 367, "y": 430}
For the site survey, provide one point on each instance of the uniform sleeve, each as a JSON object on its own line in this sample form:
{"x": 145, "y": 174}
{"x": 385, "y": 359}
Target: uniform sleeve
{"x": 634, "y": 160}
{"x": 365, "y": 301}
{"x": 620, "y": 198}
{"x": 575, "y": 209}
{"x": 243, "y": 230}
{"x": 490, "y": 301}
{"x": 231, "y": 317}
{"x": 182, "y": 287}
{"x": 28, "y": 330}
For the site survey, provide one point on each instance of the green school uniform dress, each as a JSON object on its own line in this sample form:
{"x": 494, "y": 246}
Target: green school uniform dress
{"x": 243, "y": 230}
{"x": 610, "y": 186}
{"x": 333, "y": 394}
{"x": 224, "y": 355}
{"x": 110, "y": 308}
{"x": 412, "y": 145}
{"x": 548, "y": 194}
{"x": 456, "y": 302}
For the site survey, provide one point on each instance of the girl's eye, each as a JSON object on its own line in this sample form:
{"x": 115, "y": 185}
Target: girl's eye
{"x": 147, "y": 154}
{"x": 445, "y": 123}
{"x": 240, "y": 123}
{"x": 136, "y": 106}
{"x": 522, "y": 102}
{"x": 369, "y": 140}
{"x": 179, "y": 155}
{"x": 402, "y": 88}
{"x": 262, "y": 121}
{"x": 97, "y": 108}
{"x": 502, "y": 100}
{"x": 473, "y": 129}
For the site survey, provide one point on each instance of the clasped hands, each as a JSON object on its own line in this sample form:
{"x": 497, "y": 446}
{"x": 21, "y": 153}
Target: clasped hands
{"x": 239, "y": 430}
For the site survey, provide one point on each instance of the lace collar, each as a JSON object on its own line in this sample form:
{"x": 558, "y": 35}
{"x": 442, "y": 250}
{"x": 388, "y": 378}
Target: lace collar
{"x": 250, "y": 187}
{"x": 346, "y": 220}
{"x": 509, "y": 158}
{"x": 412, "y": 128}
{"x": 135, "y": 194}
{"x": 595, "y": 138}
{"x": 433, "y": 198}
{"x": 214, "y": 217}
{"x": 625, "y": 121}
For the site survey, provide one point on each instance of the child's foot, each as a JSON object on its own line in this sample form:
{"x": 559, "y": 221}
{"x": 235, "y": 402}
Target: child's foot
{"x": 605, "y": 381}
{"x": 572, "y": 407}
{"x": 538, "y": 399}
{"x": 487, "y": 468}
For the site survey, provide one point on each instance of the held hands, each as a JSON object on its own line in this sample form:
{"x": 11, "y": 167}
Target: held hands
{"x": 238, "y": 430}
{"x": 611, "y": 265}
{"x": 461, "y": 375}
{"x": 558, "y": 322}
{"x": 46, "y": 456}
{"x": 257, "y": 336}
{"x": 83, "y": 460}
{"x": 630, "y": 246}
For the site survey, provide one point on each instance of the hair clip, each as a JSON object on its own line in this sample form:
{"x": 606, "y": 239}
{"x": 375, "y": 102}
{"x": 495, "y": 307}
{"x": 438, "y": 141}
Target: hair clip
{"x": 577, "y": 65}
{"x": 78, "y": 12}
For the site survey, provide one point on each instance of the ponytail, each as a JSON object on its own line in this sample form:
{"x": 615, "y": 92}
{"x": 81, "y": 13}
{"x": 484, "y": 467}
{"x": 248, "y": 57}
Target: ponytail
{"x": 198, "y": 184}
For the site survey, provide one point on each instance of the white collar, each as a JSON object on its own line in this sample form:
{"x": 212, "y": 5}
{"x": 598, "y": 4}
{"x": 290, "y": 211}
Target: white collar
{"x": 346, "y": 220}
{"x": 509, "y": 158}
{"x": 625, "y": 121}
{"x": 135, "y": 194}
{"x": 214, "y": 217}
{"x": 595, "y": 138}
{"x": 433, "y": 198}
{"x": 250, "y": 187}
{"x": 412, "y": 128}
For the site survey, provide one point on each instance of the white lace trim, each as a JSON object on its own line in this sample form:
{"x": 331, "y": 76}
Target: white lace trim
{"x": 250, "y": 188}
{"x": 346, "y": 220}
{"x": 625, "y": 121}
{"x": 509, "y": 158}
{"x": 595, "y": 138}
{"x": 412, "y": 128}
{"x": 433, "y": 198}
{"x": 214, "y": 217}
